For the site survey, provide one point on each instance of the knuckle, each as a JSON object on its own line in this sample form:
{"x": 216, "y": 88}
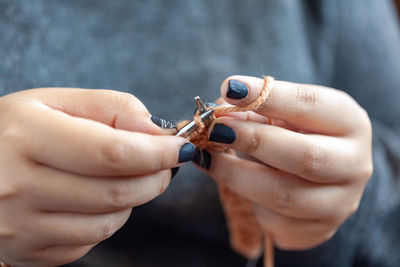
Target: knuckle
{"x": 284, "y": 200}
{"x": 107, "y": 229}
{"x": 164, "y": 160}
{"x": 8, "y": 189}
{"x": 119, "y": 197}
{"x": 14, "y": 137}
{"x": 253, "y": 142}
{"x": 273, "y": 97}
{"x": 313, "y": 160}
{"x": 306, "y": 98}
{"x": 126, "y": 98}
{"x": 7, "y": 234}
{"x": 106, "y": 232}
{"x": 163, "y": 157}
{"x": 114, "y": 154}
{"x": 127, "y": 101}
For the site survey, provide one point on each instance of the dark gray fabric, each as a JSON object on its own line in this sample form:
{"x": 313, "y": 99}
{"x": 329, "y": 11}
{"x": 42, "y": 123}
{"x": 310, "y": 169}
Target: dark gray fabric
{"x": 166, "y": 52}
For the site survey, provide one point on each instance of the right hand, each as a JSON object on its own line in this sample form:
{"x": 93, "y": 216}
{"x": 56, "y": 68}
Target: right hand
{"x": 73, "y": 163}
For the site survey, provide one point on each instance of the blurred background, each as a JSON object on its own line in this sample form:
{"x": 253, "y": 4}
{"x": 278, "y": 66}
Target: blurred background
{"x": 167, "y": 52}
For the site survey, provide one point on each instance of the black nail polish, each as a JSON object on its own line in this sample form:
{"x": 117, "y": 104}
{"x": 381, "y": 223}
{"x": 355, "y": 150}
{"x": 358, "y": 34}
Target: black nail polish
{"x": 222, "y": 134}
{"x": 202, "y": 158}
{"x": 162, "y": 123}
{"x": 237, "y": 90}
{"x": 174, "y": 171}
{"x": 186, "y": 152}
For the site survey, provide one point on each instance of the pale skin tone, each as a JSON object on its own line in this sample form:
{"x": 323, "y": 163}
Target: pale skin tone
{"x": 310, "y": 167}
{"x": 74, "y": 162}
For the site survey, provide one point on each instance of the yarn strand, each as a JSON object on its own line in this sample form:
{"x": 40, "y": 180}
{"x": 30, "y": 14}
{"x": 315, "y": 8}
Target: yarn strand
{"x": 200, "y": 138}
{"x": 245, "y": 232}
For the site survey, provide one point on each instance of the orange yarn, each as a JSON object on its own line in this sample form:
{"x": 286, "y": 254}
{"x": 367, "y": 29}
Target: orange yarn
{"x": 200, "y": 137}
{"x": 246, "y": 234}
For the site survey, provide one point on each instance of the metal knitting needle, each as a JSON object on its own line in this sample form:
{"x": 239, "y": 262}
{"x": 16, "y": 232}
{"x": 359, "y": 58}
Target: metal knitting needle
{"x": 205, "y": 115}
{"x": 200, "y": 105}
{"x": 203, "y": 108}
{"x": 189, "y": 128}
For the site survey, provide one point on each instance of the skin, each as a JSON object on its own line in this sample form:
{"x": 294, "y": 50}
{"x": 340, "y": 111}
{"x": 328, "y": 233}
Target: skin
{"x": 58, "y": 146}
{"x": 73, "y": 163}
{"x": 309, "y": 169}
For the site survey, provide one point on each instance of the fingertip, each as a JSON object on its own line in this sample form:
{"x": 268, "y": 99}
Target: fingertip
{"x": 221, "y": 125}
{"x": 234, "y": 88}
{"x": 160, "y": 126}
{"x": 186, "y": 152}
{"x": 162, "y": 123}
{"x": 221, "y": 133}
{"x": 241, "y": 90}
{"x": 237, "y": 89}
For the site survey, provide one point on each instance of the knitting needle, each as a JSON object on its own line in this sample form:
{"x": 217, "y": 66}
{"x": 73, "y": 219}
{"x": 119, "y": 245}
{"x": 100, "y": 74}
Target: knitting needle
{"x": 201, "y": 107}
{"x": 189, "y": 128}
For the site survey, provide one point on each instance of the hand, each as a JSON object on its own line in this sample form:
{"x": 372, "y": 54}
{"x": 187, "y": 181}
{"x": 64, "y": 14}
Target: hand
{"x": 73, "y": 163}
{"x": 312, "y": 163}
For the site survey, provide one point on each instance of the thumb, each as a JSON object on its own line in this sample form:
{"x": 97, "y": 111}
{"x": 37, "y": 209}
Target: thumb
{"x": 117, "y": 109}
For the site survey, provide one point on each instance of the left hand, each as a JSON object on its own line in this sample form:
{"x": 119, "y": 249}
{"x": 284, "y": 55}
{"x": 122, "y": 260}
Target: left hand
{"x": 313, "y": 163}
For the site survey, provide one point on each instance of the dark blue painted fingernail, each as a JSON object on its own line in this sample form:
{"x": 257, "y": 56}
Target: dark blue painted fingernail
{"x": 162, "y": 123}
{"x": 222, "y": 134}
{"x": 237, "y": 90}
{"x": 174, "y": 171}
{"x": 186, "y": 152}
{"x": 202, "y": 158}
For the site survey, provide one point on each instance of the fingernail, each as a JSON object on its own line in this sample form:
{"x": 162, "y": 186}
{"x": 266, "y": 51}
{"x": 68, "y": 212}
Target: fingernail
{"x": 186, "y": 152}
{"x": 174, "y": 171}
{"x": 162, "y": 123}
{"x": 202, "y": 158}
{"x": 222, "y": 134}
{"x": 237, "y": 90}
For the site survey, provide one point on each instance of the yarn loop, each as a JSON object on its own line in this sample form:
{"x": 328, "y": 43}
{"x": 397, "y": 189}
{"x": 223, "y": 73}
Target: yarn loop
{"x": 200, "y": 138}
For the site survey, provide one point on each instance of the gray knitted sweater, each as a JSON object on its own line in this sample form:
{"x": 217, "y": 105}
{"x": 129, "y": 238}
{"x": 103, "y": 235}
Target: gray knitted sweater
{"x": 166, "y": 52}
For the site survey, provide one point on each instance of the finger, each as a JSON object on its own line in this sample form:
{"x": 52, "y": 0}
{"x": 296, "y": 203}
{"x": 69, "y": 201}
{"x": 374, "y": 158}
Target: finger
{"x": 282, "y": 192}
{"x": 76, "y": 229}
{"x": 309, "y": 107}
{"x": 59, "y": 191}
{"x": 59, "y": 255}
{"x": 117, "y": 109}
{"x": 87, "y": 147}
{"x": 292, "y": 233}
{"x": 248, "y": 115}
{"x": 317, "y": 158}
